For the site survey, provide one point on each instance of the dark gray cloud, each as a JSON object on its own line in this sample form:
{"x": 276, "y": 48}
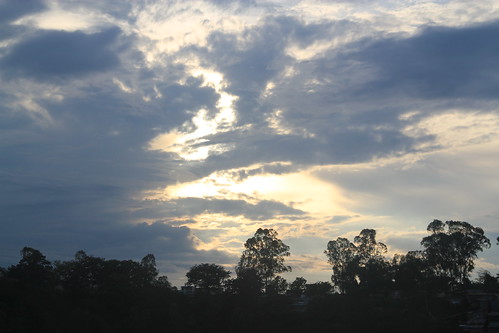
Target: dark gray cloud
{"x": 60, "y": 220}
{"x": 248, "y": 69}
{"x": 177, "y": 210}
{"x": 73, "y": 184}
{"x": 262, "y": 210}
{"x": 351, "y": 99}
{"x": 439, "y": 62}
{"x": 11, "y": 10}
{"x": 60, "y": 54}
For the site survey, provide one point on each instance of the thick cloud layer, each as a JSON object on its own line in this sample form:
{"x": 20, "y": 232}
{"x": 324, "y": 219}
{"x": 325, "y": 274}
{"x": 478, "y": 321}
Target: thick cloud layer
{"x": 59, "y": 54}
{"x": 129, "y": 129}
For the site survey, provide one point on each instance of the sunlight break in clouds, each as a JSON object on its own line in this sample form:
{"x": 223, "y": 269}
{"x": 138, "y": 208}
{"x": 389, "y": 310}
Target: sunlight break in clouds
{"x": 301, "y": 189}
{"x": 190, "y": 142}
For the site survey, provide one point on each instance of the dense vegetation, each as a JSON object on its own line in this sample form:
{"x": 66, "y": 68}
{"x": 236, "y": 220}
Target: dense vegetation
{"x": 369, "y": 293}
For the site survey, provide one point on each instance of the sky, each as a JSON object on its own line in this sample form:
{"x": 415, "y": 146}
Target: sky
{"x": 179, "y": 128}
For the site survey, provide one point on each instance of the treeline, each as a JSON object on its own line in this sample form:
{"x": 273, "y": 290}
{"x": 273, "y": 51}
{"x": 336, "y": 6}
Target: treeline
{"x": 358, "y": 266}
{"x": 368, "y": 291}
{"x": 445, "y": 263}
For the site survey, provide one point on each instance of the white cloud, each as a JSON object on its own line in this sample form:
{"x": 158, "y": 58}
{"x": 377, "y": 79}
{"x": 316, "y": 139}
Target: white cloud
{"x": 457, "y": 128}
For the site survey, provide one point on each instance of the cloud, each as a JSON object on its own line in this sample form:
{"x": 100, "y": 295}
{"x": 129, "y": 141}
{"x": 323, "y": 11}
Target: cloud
{"x": 12, "y": 10}
{"x": 327, "y": 106}
{"x": 438, "y": 62}
{"x": 59, "y": 54}
{"x": 317, "y": 118}
{"x": 262, "y": 210}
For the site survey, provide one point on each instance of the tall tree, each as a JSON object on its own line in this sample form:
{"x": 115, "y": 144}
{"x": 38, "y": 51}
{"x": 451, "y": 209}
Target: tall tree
{"x": 342, "y": 255}
{"x": 210, "y": 277}
{"x": 367, "y": 246}
{"x": 410, "y": 271}
{"x": 374, "y": 270}
{"x": 452, "y": 247}
{"x": 149, "y": 272}
{"x": 358, "y": 264}
{"x": 33, "y": 267}
{"x": 265, "y": 254}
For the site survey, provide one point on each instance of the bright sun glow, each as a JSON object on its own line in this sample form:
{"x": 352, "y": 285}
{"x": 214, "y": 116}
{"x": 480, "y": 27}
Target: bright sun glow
{"x": 301, "y": 190}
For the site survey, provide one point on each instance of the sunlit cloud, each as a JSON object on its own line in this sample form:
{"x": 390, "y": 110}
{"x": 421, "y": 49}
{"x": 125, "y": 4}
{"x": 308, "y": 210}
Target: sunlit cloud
{"x": 173, "y": 25}
{"x": 56, "y": 17}
{"x": 191, "y": 141}
{"x": 457, "y": 128}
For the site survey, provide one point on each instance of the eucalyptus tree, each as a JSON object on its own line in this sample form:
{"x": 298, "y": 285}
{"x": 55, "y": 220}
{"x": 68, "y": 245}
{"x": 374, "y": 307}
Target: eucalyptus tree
{"x": 410, "y": 271}
{"x": 265, "y": 254}
{"x": 342, "y": 255}
{"x": 360, "y": 263}
{"x": 452, "y": 247}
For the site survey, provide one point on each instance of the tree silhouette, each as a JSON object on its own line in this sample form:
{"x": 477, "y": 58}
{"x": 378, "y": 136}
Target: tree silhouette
{"x": 89, "y": 274}
{"x": 33, "y": 267}
{"x": 367, "y": 246}
{"x": 298, "y": 286}
{"x": 277, "y": 286}
{"x": 487, "y": 281}
{"x": 342, "y": 255}
{"x": 265, "y": 254}
{"x": 149, "y": 271}
{"x": 210, "y": 277}
{"x": 320, "y": 288}
{"x": 247, "y": 283}
{"x": 358, "y": 264}
{"x": 452, "y": 247}
{"x": 410, "y": 271}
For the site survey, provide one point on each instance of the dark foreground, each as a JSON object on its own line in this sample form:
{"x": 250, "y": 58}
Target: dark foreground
{"x": 160, "y": 310}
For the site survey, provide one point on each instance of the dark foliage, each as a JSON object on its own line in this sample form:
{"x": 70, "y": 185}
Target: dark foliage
{"x": 209, "y": 277}
{"x": 264, "y": 254}
{"x": 92, "y": 294}
{"x": 451, "y": 249}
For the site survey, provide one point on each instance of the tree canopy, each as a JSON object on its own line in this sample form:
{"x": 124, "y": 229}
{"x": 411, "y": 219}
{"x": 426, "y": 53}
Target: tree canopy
{"x": 93, "y": 294}
{"x": 298, "y": 286}
{"x": 357, "y": 264}
{"x": 452, "y": 247}
{"x": 264, "y": 253}
{"x": 210, "y": 277}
